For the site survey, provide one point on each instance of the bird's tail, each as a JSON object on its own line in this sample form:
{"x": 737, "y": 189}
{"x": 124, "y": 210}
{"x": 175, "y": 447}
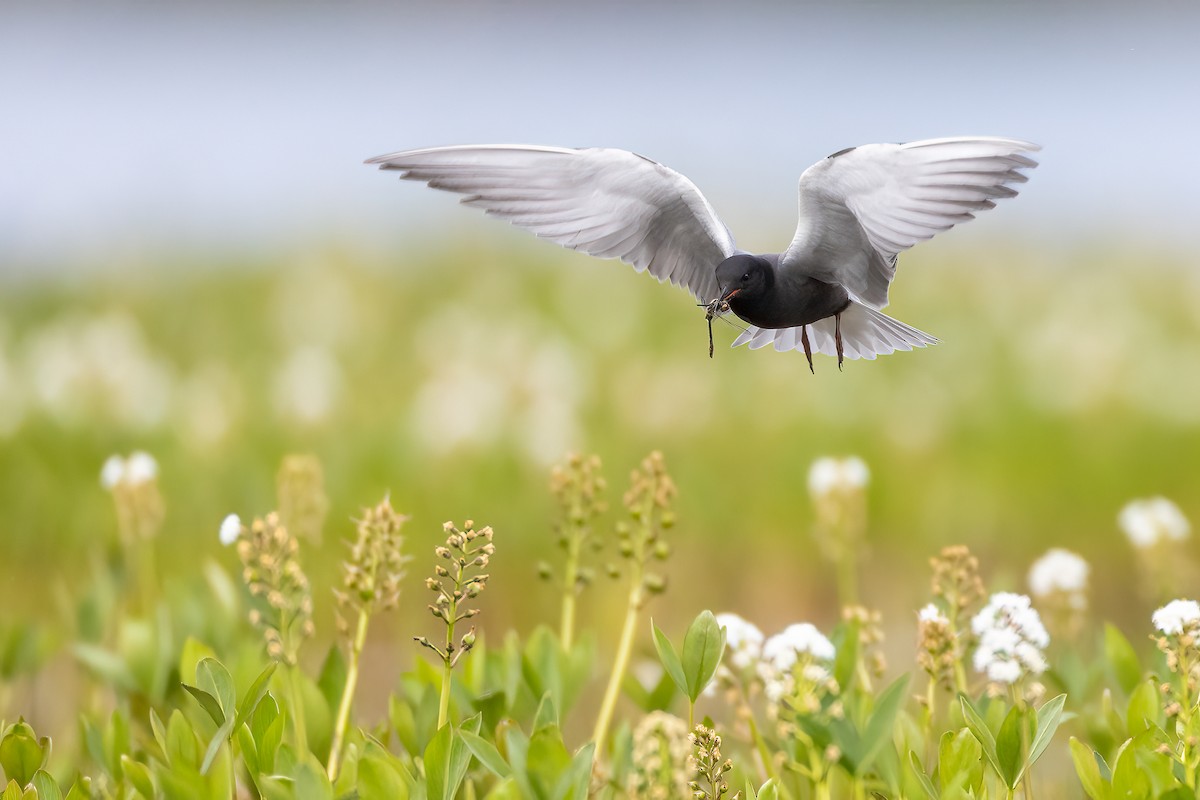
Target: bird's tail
{"x": 866, "y": 333}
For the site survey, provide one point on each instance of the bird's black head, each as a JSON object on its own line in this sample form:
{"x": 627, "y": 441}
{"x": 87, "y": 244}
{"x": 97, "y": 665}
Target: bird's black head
{"x": 744, "y": 277}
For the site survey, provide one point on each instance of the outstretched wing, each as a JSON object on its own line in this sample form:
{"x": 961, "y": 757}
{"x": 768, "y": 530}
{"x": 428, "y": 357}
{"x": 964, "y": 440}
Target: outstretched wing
{"x": 606, "y": 202}
{"x": 861, "y": 207}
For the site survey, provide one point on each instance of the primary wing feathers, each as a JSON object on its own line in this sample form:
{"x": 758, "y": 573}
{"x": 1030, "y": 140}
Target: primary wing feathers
{"x": 899, "y": 195}
{"x": 605, "y": 202}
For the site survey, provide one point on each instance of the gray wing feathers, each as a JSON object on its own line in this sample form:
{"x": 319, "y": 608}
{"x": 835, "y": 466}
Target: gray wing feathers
{"x": 866, "y": 333}
{"x": 899, "y": 195}
{"x": 605, "y": 202}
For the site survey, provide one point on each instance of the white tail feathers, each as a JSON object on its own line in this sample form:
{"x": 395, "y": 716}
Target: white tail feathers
{"x": 866, "y": 333}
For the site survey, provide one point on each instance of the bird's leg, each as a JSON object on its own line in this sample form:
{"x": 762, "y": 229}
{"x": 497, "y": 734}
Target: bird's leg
{"x": 807, "y": 349}
{"x": 837, "y": 337}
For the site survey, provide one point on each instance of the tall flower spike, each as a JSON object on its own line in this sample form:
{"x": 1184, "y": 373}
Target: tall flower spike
{"x": 271, "y": 571}
{"x": 579, "y": 489}
{"x": 459, "y": 579}
{"x": 648, "y": 500}
{"x": 708, "y": 766}
{"x": 282, "y": 607}
{"x": 370, "y": 583}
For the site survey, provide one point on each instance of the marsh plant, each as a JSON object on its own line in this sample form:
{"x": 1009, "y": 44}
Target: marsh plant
{"x": 457, "y": 583}
{"x": 200, "y": 704}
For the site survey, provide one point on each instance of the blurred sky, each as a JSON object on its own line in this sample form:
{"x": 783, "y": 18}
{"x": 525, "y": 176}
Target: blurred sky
{"x": 132, "y": 129}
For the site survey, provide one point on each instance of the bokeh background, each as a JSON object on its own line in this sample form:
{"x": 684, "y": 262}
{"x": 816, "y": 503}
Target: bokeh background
{"x": 194, "y": 262}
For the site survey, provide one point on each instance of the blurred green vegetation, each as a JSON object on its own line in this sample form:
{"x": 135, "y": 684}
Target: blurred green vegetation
{"x": 1067, "y": 383}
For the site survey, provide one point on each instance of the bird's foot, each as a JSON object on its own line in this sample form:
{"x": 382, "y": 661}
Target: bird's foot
{"x": 807, "y": 348}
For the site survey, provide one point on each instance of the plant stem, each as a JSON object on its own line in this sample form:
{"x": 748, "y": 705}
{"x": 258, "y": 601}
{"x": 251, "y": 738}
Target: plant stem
{"x": 297, "y": 708}
{"x": 571, "y": 575}
{"x": 608, "y": 706}
{"x": 447, "y": 668}
{"x": 343, "y": 714}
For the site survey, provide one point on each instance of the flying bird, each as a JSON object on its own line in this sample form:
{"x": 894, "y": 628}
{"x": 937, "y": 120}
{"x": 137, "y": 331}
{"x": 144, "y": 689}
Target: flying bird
{"x": 859, "y": 209}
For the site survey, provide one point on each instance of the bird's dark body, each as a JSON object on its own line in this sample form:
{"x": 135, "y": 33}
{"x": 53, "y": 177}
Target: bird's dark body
{"x": 766, "y": 297}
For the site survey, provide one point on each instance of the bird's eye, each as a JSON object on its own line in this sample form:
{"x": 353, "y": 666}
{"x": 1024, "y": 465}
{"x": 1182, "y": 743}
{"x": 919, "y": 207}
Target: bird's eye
{"x": 746, "y": 277}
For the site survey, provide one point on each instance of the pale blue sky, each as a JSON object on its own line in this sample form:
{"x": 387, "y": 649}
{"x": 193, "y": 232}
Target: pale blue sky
{"x": 215, "y": 126}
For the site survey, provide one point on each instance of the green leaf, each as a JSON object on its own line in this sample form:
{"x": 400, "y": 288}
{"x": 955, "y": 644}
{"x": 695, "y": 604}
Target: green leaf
{"x": 219, "y": 738}
{"x": 81, "y": 789}
{"x": 923, "y": 780}
{"x": 1008, "y": 746}
{"x": 21, "y": 754}
{"x": 139, "y": 775}
{"x": 516, "y": 745}
{"x": 1128, "y": 779}
{"x": 573, "y": 785}
{"x": 159, "y": 730}
{"x": 182, "y": 748}
{"x": 845, "y": 663}
{"x": 255, "y": 693}
{"x": 212, "y": 677}
{"x": 12, "y": 791}
{"x": 1048, "y": 718}
{"x": 769, "y": 790}
{"x": 958, "y": 759}
{"x": 546, "y": 713}
{"x": 311, "y": 781}
{"x": 703, "y": 646}
{"x": 1144, "y": 707}
{"x": 45, "y": 786}
{"x": 1121, "y": 658}
{"x": 446, "y": 762}
{"x": 548, "y": 759}
{"x": 882, "y": 721}
{"x": 669, "y": 658}
{"x": 1088, "y": 771}
{"x": 486, "y": 752}
{"x": 208, "y": 702}
{"x": 378, "y": 778}
{"x": 981, "y": 732}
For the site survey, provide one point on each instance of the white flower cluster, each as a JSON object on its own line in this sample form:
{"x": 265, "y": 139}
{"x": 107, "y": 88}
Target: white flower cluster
{"x": 828, "y": 475}
{"x": 799, "y": 643}
{"x": 1011, "y": 639}
{"x": 135, "y": 470}
{"x": 1150, "y": 521}
{"x": 743, "y": 641}
{"x": 1062, "y": 572}
{"x": 1177, "y": 616}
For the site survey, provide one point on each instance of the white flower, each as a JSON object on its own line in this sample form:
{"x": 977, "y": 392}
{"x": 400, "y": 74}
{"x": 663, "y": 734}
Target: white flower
{"x": 931, "y": 613}
{"x": 743, "y": 639}
{"x": 1060, "y": 571}
{"x": 1177, "y": 615}
{"x": 784, "y": 649}
{"x": 231, "y": 529}
{"x": 140, "y": 468}
{"x": 828, "y": 475}
{"x": 1011, "y": 638}
{"x": 113, "y": 472}
{"x": 1147, "y": 522}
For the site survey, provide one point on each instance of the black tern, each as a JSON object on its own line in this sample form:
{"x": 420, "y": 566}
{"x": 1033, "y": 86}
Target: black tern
{"x": 859, "y": 209}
